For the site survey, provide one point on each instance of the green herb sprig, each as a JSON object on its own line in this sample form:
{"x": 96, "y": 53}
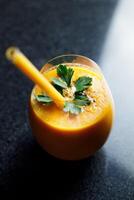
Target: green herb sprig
{"x": 64, "y": 81}
{"x": 43, "y": 99}
{"x": 65, "y": 74}
{"x": 82, "y": 83}
{"x": 72, "y": 108}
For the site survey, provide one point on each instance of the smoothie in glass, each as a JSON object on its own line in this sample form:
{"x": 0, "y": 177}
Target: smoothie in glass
{"x": 83, "y": 125}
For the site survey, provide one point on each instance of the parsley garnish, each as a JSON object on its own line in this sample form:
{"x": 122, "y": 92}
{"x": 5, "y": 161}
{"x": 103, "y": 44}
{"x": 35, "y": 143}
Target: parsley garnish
{"x": 81, "y": 100}
{"x": 65, "y": 73}
{"x": 59, "y": 82}
{"x": 72, "y": 108}
{"x": 82, "y": 83}
{"x": 43, "y": 99}
{"x": 63, "y": 84}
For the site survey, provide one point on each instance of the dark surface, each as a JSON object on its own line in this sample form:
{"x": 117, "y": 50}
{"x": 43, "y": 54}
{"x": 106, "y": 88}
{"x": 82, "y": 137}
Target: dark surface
{"x": 44, "y": 29}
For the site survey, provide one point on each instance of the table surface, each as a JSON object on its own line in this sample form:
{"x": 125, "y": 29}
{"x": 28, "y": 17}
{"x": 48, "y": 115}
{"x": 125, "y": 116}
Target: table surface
{"x": 100, "y": 29}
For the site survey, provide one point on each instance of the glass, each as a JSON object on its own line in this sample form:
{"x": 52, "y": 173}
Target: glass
{"x": 79, "y": 142}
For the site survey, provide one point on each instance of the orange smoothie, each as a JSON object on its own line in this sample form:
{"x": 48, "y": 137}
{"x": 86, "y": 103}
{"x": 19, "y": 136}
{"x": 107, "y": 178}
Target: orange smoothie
{"x": 69, "y": 136}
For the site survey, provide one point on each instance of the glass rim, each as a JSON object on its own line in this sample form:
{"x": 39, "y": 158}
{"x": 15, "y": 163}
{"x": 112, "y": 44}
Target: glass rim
{"x": 72, "y": 55}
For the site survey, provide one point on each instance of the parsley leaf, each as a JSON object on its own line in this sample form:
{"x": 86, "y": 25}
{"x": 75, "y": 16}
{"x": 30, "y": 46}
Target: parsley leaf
{"x": 72, "y": 108}
{"x": 43, "y": 99}
{"x": 82, "y": 83}
{"x": 81, "y": 100}
{"x": 59, "y": 82}
{"x": 65, "y": 73}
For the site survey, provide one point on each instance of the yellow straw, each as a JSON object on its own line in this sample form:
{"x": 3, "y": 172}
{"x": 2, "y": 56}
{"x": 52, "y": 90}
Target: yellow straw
{"x": 19, "y": 59}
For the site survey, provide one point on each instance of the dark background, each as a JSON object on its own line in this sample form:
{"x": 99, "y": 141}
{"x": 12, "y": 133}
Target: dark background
{"x": 101, "y": 30}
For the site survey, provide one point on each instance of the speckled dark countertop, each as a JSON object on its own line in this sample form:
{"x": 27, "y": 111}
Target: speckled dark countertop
{"x": 44, "y": 29}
